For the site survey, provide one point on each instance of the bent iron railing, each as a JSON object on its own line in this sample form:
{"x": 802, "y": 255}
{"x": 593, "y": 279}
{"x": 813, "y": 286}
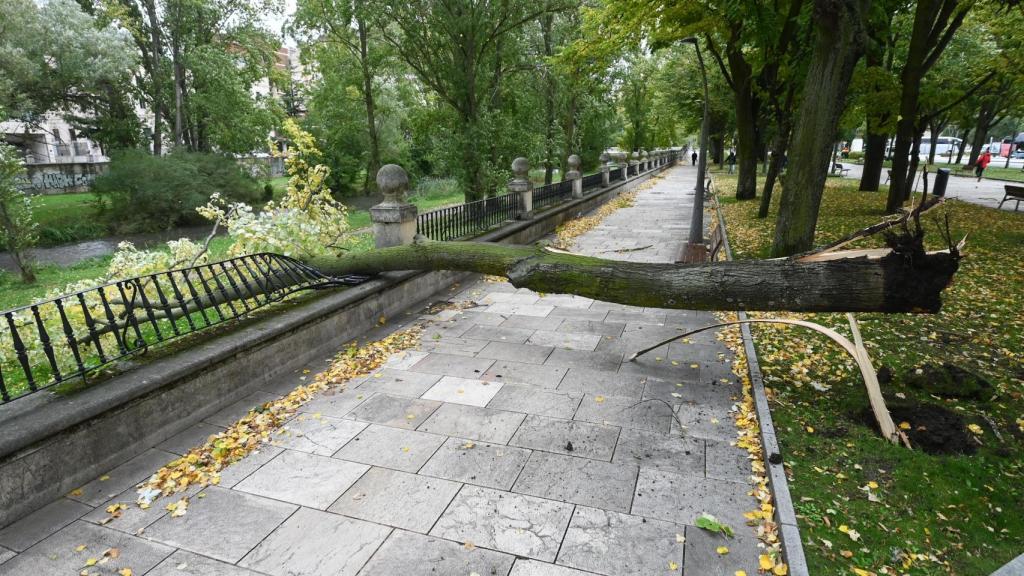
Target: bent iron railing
{"x": 464, "y": 220}
{"x": 72, "y": 336}
{"x": 551, "y": 194}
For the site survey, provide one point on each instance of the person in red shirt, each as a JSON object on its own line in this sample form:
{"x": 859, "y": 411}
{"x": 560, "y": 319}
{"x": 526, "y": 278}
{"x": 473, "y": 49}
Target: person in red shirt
{"x": 982, "y": 163}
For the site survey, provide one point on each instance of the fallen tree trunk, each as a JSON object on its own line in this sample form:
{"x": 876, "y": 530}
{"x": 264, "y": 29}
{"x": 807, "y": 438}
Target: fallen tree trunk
{"x": 903, "y": 280}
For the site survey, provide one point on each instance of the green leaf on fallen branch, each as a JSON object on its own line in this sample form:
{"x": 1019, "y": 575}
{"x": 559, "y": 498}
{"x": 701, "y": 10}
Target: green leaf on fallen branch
{"x": 708, "y": 522}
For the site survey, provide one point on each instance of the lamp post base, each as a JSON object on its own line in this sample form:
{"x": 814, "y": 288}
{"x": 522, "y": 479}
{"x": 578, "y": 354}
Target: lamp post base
{"x": 693, "y": 254}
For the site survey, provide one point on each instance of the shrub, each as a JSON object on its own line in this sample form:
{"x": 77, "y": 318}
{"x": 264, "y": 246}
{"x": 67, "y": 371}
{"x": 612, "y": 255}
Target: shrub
{"x": 146, "y": 193}
{"x": 268, "y": 192}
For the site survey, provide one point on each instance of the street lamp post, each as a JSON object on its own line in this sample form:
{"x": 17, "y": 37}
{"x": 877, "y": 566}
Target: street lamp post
{"x": 695, "y": 250}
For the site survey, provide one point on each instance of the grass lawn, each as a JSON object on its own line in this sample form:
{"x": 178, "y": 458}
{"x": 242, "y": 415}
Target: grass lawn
{"x": 911, "y": 512}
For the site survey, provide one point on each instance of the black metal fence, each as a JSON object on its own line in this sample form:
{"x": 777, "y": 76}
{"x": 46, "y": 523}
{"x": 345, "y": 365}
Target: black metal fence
{"x": 464, "y": 220}
{"x": 592, "y": 181}
{"x": 74, "y": 335}
{"x": 551, "y": 194}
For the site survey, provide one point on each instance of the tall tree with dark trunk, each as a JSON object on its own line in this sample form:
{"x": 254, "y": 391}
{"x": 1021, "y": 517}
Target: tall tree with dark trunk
{"x": 838, "y": 43}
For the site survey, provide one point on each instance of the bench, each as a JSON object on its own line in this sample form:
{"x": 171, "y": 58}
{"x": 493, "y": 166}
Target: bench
{"x": 1012, "y": 193}
{"x": 838, "y": 168}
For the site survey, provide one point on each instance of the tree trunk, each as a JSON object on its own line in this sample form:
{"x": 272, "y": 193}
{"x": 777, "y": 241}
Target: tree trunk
{"x": 546, "y": 22}
{"x": 894, "y": 283}
{"x": 156, "y": 52}
{"x": 963, "y": 144}
{"x": 837, "y": 47}
{"x": 874, "y": 161}
{"x": 179, "y": 91}
{"x": 373, "y": 159}
{"x": 779, "y": 147}
{"x": 15, "y": 247}
{"x": 980, "y": 131}
{"x": 746, "y": 126}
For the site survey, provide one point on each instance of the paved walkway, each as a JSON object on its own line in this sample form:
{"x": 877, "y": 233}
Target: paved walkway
{"x": 987, "y": 193}
{"x": 514, "y": 441}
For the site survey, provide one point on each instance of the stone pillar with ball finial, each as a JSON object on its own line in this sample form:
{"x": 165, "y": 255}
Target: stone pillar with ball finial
{"x": 394, "y": 219}
{"x": 521, "y": 185}
{"x": 574, "y": 175}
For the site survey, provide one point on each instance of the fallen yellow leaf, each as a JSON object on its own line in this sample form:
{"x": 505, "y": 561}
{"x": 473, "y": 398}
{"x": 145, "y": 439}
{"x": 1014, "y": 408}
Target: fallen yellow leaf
{"x": 673, "y": 566}
{"x": 598, "y": 399}
{"x": 765, "y": 562}
{"x": 904, "y": 425}
{"x": 722, "y": 550}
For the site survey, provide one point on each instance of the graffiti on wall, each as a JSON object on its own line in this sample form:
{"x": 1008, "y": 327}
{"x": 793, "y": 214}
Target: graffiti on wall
{"x": 42, "y": 181}
{"x": 59, "y": 179}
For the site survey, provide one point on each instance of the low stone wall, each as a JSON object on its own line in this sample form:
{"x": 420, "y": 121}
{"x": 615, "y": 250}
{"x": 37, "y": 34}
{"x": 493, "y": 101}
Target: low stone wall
{"x": 51, "y": 444}
{"x": 62, "y": 178}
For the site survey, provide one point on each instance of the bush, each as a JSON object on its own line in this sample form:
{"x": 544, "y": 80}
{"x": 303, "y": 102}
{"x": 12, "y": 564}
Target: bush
{"x": 856, "y": 155}
{"x": 146, "y": 193}
{"x": 268, "y": 192}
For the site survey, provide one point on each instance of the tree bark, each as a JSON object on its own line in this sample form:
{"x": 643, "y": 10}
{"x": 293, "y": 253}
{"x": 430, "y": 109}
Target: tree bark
{"x": 894, "y": 283}
{"x": 746, "y": 125}
{"x": 837, "y": 47}
{"x": 156, "y": 52}
{"x": 874, "y": 160}
{"x": 779, "y": 148}
{"x": 373, "y": 158}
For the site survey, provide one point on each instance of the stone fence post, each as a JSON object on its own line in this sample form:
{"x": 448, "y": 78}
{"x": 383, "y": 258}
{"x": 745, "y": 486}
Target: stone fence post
{"x": 394, "y": 219}
{"x": 634, "y": 161}
{"x": 521, "y": 185}
{"x": 645, "y": 161}
{"x": 606, "y": 166}
{"x": 574, "y": 175}
{"x": 622, "y": 158}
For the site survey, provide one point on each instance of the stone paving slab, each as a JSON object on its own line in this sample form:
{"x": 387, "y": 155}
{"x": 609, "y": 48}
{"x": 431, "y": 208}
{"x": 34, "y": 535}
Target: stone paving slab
{"x": 514, "y": 438}
{"x": 400, "y": 499}
{"x": 513, "y": 523}
{"x": 192, "y": 436}
{"x": 314, "y": 542}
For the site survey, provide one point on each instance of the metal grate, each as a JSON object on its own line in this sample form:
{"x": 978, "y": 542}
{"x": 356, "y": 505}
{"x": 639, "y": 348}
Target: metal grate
{"x": 71, "y": 336}
{"x": 464, "y": 220}
{"x": 592, "y": 181}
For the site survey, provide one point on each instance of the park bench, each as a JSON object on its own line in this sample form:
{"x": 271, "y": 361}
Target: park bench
{"x": 1012, "y": 193}
{"x": 839, "y": 169}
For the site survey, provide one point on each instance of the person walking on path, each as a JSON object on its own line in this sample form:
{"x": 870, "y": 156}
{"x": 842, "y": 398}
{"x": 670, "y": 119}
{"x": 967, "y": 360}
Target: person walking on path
{"x": 982, "y": 163}
{"x": 693, "y": 158}
{"x": 731, "y": 161}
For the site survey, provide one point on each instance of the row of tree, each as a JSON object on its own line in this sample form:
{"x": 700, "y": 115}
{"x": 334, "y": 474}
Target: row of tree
{"x": 799, "y": 74}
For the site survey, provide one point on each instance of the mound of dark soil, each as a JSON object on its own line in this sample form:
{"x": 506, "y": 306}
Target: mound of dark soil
{"x": 933, "y": 429}
{"x": 948, "y": 381}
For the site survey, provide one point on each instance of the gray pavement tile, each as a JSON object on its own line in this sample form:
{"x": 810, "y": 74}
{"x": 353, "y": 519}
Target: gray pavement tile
{"x": 481, "y": 464}
{"x": 473, "y": 422}
{"x": 561, "y": 339}
{"x": 6, "y": 554}
{"x": 701, "y": 392}
{"x": 727, "y": 462}
{"x": 530, "y": 400}
{"x": 237, "y": 471}
{"x": 394, "y": 411}
{"x": 617, "y": 544}
{"x": 704, "y": 421}
{"x": 194, "y": 435}
{"x": 513, "y": 523}
{"x": 468, "y": 391}
{"x": 606, "y": 306}
{"x": 578, "y": 480}
{"x": 322, "y": 435}
{"x": 587, "y": 381}
{"x": 304, "y": 479}
{"x": 455, "y": 346}
{"x": 446, "y": 329}
{"x": 184, "y": 563}
{"x": 670, "y": 452}
{"x": 624, "y": 316}
{"x": 527, "y": 567}
{"x": 395, "y": 382}
{"x": 129, "y": 517}
{"x": 404, "y": 359}
{"x": 672, "y": 370}
{"x": 236, "y": 411}
{"x": 490, "y": 297}
{"x": 337, "y": 403}
{"x": 314, "y": 542}
{"x": 596, "y": 360}
{"x": 702, "y": 555}
{"x": 452, "y": 365}
{"x": 683, "y": 498}
{"x": 41, "y": 523}
{"x": 63, "y": 553}
{"x": 399, "y": 499}
{"x": 653, "y": 415}
{"x": 578, "y": 314}
{"x": 515, "y": 352}
{"x": 580, "y": 439}
{"x": 124, "y": 476}
{"x": 389, "y": 447}
{"x": 500, "y": 334}
{"x": 410, "y": 553}
{"x": 511, "y": 308}
{"x": 532, "y": 322}
{"x": 528, "y": 374}
{"x": 482, "y": 318}
{"x": 224, "y": 525}
{"x": 612, "y": 329}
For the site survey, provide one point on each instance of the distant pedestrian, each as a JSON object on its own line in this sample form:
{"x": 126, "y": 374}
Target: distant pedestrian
{"x": 731, "y": 161}
{"x": 982, "y": 163}
{"x": 693, "y": 158}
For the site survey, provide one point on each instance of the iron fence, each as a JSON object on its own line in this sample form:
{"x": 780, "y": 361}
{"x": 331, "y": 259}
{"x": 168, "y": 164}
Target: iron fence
{"x": 467, "y": 219}
{"x": 551, "y": 194}
{"x": 592, "y": 181}
{"x": 72, "y": 336}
